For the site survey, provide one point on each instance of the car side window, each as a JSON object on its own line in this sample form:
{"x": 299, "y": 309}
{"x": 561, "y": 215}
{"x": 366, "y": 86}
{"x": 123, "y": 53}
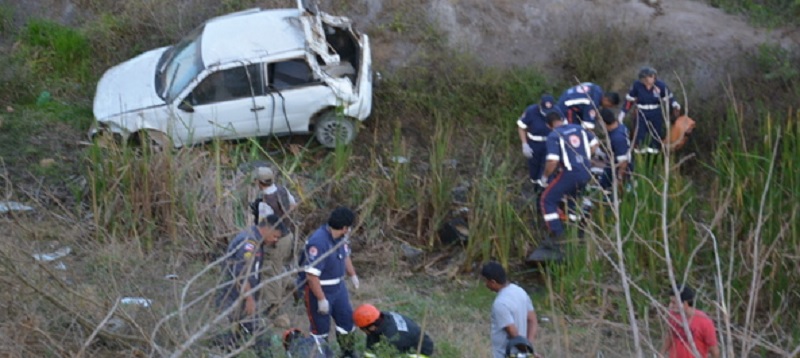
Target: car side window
{"x": 289, "y": 74}
{"x": 230, "y": 84}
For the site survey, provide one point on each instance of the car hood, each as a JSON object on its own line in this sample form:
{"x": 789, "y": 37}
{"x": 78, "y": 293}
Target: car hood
{"x": 129, "y": 86}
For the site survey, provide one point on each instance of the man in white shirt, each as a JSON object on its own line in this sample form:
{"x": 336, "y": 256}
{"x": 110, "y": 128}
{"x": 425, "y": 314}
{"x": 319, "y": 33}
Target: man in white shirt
{"x": 512, "y": 310}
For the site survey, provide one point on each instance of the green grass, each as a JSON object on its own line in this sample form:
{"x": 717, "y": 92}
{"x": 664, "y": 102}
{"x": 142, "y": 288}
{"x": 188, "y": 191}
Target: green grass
{"x": 772, "y": 13}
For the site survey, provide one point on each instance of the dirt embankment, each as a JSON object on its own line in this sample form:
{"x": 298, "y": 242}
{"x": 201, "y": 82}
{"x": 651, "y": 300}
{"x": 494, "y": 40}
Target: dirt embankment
{"x": 687, "y": 38}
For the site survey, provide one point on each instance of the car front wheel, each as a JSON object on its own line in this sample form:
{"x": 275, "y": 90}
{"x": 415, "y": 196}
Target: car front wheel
{"x": 332, "y": 129}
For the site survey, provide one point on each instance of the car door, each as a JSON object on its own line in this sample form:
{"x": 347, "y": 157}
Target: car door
{"x": 293, "y": 96}
{"x": 223, "y": 104}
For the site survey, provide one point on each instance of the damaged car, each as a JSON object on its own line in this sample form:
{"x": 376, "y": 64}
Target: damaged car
{"x": 253, "y": 73}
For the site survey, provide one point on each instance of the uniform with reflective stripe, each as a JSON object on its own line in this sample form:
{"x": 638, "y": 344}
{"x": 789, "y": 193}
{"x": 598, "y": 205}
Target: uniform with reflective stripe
{"x": 570, "y": 145}
{"x": 581, "y": 104}
{"x": 650, "y": 106}
{"x": 533, "y": 122}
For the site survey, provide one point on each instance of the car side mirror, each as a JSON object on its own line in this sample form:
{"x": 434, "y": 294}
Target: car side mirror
{"x": 186, "y": 106}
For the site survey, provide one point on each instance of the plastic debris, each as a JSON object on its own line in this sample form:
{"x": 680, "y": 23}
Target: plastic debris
{"x": 138, "y": 301}
{"x": 60, "y": 266}
{"x": 171, "y": 276}
{"x": 400, "y": 159}
{"x": 6, "y": 206}
{"x": 64, "y": 251}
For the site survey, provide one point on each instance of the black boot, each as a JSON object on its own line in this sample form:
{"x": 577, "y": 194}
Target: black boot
{"x": 549, "y": 250}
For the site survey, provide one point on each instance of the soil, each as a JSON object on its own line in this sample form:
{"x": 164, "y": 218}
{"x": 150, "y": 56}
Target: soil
{"x": 507, "y": 33}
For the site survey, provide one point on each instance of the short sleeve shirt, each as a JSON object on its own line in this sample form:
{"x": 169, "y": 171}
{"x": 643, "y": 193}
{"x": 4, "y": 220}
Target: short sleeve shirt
{"x": 703, "y": 332}
{"x": 511, "y": 306}
{"x": 325, "y": 267}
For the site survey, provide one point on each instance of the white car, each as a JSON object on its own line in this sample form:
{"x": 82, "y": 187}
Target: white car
{"x": 246, "y": 74}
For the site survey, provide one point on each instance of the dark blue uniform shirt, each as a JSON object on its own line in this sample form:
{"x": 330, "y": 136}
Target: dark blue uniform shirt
{"x": 402, "y": 333}
{"x": 571, "y": 146}
{"x": 245, "y": 258}
{"x": 330, "y": 267}
{"x": 533, "y": 121}
{"x": 580, "y": 103}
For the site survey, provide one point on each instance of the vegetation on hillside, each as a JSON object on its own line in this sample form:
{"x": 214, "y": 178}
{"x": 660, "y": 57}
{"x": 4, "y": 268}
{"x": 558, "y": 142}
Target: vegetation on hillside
{"x": 725, "y": 220}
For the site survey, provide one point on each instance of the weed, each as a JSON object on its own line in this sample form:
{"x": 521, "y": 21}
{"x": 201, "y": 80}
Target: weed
{"x": 58, "y": 49}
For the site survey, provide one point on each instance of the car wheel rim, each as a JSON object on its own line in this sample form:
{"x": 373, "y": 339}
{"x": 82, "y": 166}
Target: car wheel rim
{"x": 334, "y": 132}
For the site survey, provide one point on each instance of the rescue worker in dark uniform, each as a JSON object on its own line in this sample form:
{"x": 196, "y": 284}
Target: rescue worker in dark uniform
{"x": 533, "y": 133}
{"x": 327, "y": 260}
{"x": 581, "y": 103}
{"x": 274, "y": 199}
{"x": 299, "y": 346}
{"x": 569, "y": 149}
{"x": 650, "y": 98}
{"x": 620, "y": 163}
{"x": 243, "y": 263}
{"x": 399, "y": 331}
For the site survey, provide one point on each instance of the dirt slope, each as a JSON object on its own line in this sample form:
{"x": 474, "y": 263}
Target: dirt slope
{"x": 530, "y": 32}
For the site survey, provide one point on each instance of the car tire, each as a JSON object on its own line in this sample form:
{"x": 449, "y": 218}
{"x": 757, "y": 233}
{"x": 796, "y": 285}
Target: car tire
{"x": 332, "y": 129}
{"x": 155, "y": 140}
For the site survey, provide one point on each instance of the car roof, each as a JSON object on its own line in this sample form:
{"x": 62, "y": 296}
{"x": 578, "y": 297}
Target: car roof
{"x": 251, "y": 33}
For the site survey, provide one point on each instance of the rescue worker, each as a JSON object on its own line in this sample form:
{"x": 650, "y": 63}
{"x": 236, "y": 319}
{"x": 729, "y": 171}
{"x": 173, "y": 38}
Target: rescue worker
{"x": 533, "y": 133}
{"x": 620, "y": 164}
{"x": 326, "y": 261}
{"x": 581, "y": 103}
{"x": 299, "y": 346}
{"x": 399, "y": 331}
{"x": 652, "y": 99}
{"x": 276, "y": 200}
{"x": 242, "y": 273}
{"x": 567, "y": 171}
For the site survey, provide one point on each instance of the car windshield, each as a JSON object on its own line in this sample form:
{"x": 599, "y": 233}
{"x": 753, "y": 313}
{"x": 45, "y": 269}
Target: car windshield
{"x": 179, "y": 66}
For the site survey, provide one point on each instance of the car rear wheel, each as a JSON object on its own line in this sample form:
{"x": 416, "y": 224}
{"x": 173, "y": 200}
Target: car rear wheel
{"x": 332, "y": 129}
{"x": 153, "y": 140}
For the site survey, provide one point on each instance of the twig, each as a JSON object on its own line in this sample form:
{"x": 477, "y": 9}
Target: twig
{"x": 97, "y": 329}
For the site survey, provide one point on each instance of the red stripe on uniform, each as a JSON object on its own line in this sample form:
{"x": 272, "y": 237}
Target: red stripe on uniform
{"x": 307, "y": 298}
{"x": 544, "y": 194}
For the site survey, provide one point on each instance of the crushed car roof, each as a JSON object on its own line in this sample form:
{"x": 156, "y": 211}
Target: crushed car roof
{"x": 251, "y": 33}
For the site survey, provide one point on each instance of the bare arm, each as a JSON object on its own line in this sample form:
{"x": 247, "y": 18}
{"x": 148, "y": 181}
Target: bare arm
{"x": 512, "y": 330}
{"x": 533, "y": 326}
{"x": 667, "y": 344}
{"x": 523, "y": 135}
{"x": 714, "y": 351}
{"x": 315, "y": 286}
{"x": 249, "y": 300}
{"x": 550, "y": 167}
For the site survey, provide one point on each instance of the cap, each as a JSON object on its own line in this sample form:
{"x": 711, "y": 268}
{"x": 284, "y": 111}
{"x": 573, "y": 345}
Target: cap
{"x": 264, "y": 174}
{"x": 647, "y": 71}
{"x": 547, "y": 102}
{"x": 341, "y": 217}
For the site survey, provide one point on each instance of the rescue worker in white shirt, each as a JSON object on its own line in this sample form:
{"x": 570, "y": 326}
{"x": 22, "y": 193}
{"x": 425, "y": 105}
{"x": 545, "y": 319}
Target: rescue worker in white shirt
{"x": 392, "y": 328}
{"x": 275, "y": 200}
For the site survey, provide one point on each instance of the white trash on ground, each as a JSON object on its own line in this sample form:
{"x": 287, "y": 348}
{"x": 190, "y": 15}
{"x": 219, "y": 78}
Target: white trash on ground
{"x": 8, "y": 206}
{"x": 138, "y": 301}
{"x": 64, "y": 251}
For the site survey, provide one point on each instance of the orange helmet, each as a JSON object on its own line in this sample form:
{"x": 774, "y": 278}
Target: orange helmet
{"x": 365, "y": 315}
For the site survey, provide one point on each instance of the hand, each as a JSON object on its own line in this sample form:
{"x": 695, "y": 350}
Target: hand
{"x": 323, "y": 307}
{"x": 527, "y": 151}
{"x": 250, "y": 306}
{"x": 621, "y": 116}
{"x": 543, "y": 181}
{"x": 354, "y": 280}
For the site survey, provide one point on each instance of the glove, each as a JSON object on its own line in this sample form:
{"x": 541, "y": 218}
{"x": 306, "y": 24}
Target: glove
{"x": 621, "y": 116}
{"x": 323, "y": 307}
{"x": 527, "y": 151}
{"x": 543, "y": 181}
{"x": 354, "y": 280}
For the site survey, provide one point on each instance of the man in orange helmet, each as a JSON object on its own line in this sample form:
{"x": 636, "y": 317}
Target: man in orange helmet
{"x": 393, "y": 329}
